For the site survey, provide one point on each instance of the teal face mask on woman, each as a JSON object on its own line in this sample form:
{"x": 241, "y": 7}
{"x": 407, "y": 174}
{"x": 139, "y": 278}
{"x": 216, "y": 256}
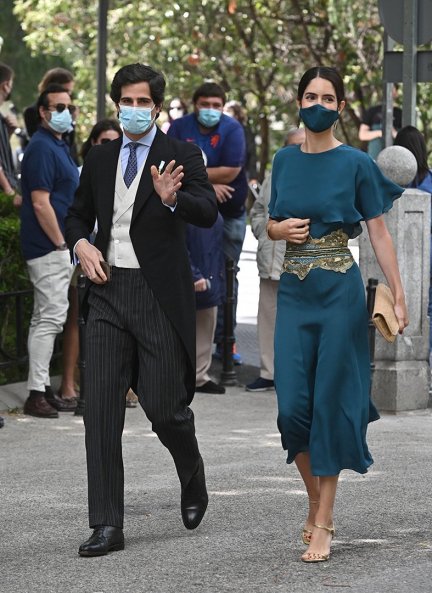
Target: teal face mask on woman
{"x": 318, "y": 118}
{"x": 209, "y": 117}
{"x": 60, "y": 122}
{"x": 136, "y": 120}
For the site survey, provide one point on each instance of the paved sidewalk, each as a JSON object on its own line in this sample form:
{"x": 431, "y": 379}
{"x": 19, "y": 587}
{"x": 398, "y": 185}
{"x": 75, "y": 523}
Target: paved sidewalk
{"x": 249, "y": 541}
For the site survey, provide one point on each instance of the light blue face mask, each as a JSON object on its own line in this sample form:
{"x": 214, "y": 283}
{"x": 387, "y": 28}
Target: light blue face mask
{"x": 136, "y": 120}
{"x": 60, "y": 122}
{"x": 209, "y": 117}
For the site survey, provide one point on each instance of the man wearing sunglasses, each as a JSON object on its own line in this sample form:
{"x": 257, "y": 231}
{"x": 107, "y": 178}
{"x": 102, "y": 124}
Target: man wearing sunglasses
{"x": 31, "y": 114}
{"x": 49, "y": 179}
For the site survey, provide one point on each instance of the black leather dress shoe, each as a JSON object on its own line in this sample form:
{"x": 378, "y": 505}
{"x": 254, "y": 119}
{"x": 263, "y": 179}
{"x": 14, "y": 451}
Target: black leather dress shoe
{"x": 194, "y": 499}
{"x": 58, "y": 403}
{"x": 104, "y": 539}
{"x": 210, "y": 387}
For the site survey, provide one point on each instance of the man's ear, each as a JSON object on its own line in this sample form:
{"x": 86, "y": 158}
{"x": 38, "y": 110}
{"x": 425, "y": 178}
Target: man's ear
{"x": 41, "y": 113}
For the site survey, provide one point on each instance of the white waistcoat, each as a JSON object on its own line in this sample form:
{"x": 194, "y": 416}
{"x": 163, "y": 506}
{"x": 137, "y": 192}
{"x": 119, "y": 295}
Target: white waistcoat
{"x": 120, "y": 251}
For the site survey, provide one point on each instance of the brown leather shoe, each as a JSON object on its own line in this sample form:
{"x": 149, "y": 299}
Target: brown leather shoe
{"x": 131, "y": 399}
{"x": 59, "y": 403}
{"x": 37, "y": 405}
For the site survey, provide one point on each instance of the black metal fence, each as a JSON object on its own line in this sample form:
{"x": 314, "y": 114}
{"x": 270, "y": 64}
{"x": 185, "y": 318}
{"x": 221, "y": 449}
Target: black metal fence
{"x": 14, "y": 327}
{"x": 15, "y": 313}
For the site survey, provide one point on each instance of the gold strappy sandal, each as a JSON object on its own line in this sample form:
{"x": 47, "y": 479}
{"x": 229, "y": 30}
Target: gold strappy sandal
{"x": 307, "y": 533}
{"x": 313, "y": 557}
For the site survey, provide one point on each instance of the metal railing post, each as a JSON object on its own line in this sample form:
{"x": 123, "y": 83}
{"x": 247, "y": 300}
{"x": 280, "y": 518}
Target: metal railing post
{"x": 370, "y": 301}
{"x": 228, "y": 375}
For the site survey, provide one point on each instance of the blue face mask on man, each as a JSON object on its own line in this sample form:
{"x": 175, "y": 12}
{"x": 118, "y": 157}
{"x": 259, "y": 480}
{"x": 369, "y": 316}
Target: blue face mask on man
{"x": 60, "y": 122}
{"x": 209, "y": 117}
{"x": 318, "y": 118}
{"x": 136, "y": 120}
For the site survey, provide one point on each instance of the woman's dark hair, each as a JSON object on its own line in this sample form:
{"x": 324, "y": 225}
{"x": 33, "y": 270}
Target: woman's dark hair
{"x": 329, "y": 74}
{"x": 182, "y": 103}
{"x": 101, "y": 126}
{"x": 43, "y": 100}
{"x": 209, "y": 89}
{"x": 55, "y": 76}
{"x": 135, "y": 73}
{"x": 6, "y": 73}
{"x": 237, "y": 110}
{"x": 411, "y": 138}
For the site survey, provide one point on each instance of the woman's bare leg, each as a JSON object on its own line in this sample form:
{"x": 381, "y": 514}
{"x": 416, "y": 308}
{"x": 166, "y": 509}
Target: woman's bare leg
{"x": 312, "y": 485}
{"x": 321, "y": 538}
{"x": 70, "y": 347}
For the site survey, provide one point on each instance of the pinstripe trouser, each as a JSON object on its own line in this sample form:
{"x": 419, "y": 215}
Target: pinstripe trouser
{"x": 126, "y": 324}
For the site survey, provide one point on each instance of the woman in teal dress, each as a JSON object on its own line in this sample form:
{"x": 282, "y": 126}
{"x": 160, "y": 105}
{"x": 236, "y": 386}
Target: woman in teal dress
{"x": 321, "y": 190}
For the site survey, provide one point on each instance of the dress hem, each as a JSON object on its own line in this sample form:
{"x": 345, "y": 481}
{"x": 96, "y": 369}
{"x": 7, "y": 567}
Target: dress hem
{"x": 364, "y": 470}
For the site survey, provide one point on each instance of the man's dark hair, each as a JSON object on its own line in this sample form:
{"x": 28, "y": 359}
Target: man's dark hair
{"x": 43, "y": 100}
{"x": 135, "y": 73}
{"x": 209, "y": 89}
{"x": 6, "y": 73}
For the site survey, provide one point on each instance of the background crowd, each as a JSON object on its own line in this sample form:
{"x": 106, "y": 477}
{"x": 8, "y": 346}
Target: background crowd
{"x": 44, "y": 141}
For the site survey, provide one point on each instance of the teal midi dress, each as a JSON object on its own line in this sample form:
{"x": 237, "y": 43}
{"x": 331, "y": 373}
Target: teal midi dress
{"x": 322, "y": 365}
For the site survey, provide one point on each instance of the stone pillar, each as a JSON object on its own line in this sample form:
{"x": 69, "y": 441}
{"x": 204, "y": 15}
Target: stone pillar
{"x": 402, "y": 375}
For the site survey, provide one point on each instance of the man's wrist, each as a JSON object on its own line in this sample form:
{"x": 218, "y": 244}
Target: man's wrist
{"x": 172, "y": 202}
{"x": 62, "y": 247}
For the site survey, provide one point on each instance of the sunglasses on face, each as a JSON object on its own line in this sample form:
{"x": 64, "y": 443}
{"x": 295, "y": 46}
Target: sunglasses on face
{"x": 60, "y": 107}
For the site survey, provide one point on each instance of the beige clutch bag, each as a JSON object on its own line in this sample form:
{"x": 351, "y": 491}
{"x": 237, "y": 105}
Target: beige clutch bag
{"x": 383, "y": 316}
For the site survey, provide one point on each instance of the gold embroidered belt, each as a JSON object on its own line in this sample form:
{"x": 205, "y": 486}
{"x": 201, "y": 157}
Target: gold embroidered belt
{"x": 330, "y": 252}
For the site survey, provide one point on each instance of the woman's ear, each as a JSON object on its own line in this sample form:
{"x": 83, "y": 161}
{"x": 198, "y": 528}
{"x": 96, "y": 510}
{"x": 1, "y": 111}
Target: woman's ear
{"x": 341, "y": 106}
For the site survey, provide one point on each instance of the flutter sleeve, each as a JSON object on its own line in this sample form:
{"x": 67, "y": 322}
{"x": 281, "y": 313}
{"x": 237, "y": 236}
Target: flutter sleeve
{"x": 375, "y": 193}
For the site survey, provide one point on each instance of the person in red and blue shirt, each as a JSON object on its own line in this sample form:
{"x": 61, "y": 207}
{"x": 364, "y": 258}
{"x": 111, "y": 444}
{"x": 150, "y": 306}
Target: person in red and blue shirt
{"x": 222, "y": 140}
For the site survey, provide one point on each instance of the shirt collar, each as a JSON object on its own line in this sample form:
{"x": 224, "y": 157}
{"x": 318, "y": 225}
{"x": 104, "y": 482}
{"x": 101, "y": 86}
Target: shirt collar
{"x": 50, "y": 134}
{"x": 146, "y": 140}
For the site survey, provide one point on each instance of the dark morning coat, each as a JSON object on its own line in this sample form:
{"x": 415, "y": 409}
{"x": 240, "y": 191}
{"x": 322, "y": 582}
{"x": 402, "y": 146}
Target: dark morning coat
{"x": 158, "y": 235}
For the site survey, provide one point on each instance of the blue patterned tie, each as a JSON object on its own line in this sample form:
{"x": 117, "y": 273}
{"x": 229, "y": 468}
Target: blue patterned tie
{"x": 132, "y": 167}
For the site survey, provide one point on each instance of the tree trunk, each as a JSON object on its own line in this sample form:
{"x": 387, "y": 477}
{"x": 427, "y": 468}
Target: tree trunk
{"x": 265, "y": 145}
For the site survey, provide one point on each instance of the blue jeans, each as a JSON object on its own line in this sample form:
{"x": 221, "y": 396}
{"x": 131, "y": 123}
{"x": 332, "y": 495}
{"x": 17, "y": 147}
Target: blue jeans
{"x": 233, "y": 237}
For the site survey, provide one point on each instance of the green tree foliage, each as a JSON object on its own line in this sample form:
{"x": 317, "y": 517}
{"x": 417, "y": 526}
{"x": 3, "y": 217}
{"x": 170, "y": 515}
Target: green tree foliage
{"x": 16, "y": 53}
{"x": 257, "y": 50}
{"x": 13, "y": 277}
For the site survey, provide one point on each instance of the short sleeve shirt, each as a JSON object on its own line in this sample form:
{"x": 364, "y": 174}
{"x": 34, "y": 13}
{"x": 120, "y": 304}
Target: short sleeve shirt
{"x": 48, "y": 166}
{"x": 224, "y": 146}
{"x": 373, "y": 119}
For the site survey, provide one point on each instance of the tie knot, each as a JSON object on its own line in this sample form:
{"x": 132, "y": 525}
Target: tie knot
{"x": 132, "y": 146}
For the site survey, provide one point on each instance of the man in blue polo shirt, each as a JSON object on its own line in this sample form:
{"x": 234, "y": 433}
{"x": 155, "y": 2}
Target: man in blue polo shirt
{"x": 49, "y": 180}
{"x": 222, "y": 140}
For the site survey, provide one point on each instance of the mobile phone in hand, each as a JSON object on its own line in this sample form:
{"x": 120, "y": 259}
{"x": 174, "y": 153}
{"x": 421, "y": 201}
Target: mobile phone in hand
{"x": 106, "y": 269}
